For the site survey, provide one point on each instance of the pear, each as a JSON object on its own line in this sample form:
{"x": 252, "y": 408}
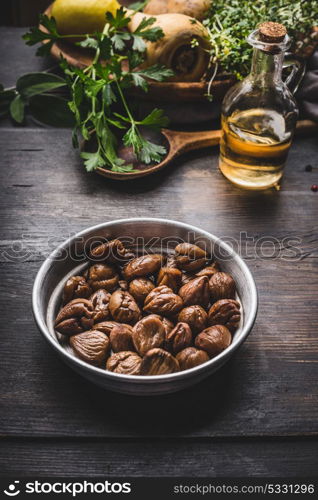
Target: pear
{"x": 76, "y": 17}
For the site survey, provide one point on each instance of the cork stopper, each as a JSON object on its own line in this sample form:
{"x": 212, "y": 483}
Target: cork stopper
{"x": 270, "y": 32}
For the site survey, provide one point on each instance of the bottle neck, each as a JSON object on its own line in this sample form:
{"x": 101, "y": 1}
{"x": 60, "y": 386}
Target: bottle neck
{"x": 266, "y": 67}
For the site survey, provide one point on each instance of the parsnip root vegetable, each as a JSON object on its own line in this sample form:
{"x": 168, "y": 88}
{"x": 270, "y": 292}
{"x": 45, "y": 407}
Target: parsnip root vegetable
{"x": 183, "y": 47}
{"x": 192, "y": 8}
{"x": 155, "y": 7}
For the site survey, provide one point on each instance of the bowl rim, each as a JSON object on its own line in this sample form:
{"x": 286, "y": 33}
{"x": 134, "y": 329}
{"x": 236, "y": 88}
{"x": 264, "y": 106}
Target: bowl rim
{"x": 148, "y": 379}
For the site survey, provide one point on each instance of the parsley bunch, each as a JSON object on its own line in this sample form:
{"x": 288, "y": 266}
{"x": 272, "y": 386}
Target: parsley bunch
{"x": 230, "y": 24}
{"x": 98, "y": 92}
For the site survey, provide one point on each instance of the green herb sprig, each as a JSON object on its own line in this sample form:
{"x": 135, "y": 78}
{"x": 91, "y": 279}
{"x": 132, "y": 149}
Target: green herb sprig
{"x": 229, "y": 24}
{"x": 98, "y": 93}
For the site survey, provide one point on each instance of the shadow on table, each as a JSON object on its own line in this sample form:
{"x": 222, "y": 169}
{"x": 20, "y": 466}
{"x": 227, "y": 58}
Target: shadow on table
{"x": 171, "y": 414}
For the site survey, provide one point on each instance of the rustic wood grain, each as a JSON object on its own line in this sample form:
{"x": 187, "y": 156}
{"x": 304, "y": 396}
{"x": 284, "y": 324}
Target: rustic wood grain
{"x": 258, "y": 397}
{"x": 150, "y": 459}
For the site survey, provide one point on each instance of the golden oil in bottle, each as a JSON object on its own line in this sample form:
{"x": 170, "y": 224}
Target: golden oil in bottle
{"x": 254, "y": 147}
{"x": 259, "y": 114}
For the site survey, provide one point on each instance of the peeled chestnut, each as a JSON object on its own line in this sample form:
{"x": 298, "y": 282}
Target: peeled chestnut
{"x": 76, "y": 287}
{"x": 214, "y": 340}
{"x": 106, "y": 326}
{"x": 179, "y": 338}
{"x": 124, "y": 362}
{"x": 124, "y": 308}
{"x": 100, "y": 300}
{"x": 168, "y": 325}
{"x": 222, "y": 286}
{"x": 148, "y": 333}
{"x": 186, "y": 277}
{"x": 190, "y": 257}
{"x": 91, "y": 346}
{"x": 169, "y": 277}
{"x": 158, "y": 362}
{"x": 171, "y": 261}
{"x": 195, "y": 316}
{"x": 225, "y": 312}
{"x": 196, "y": 292}
{"x": 123, "y": 285}
{"x": 142, "y": 266}
{"x": 209, "y": 270}
{"x": 102, "y": 276}
{"x": 121, "y": 338}
{"x": 75, "y": 317}
{"x": 162, "y": 300}
{"x": 112, "y": 251}
{"x": 190, "y": 357}
{"x": 140, "y": 288}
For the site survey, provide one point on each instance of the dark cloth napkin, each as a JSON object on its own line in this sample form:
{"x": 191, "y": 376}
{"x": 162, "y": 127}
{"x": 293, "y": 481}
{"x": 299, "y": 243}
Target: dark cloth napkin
{"x": 307, "y": 95}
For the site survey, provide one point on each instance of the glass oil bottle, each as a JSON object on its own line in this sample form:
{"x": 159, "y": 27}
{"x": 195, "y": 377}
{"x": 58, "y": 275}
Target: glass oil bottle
{"x": 259, "y": 115}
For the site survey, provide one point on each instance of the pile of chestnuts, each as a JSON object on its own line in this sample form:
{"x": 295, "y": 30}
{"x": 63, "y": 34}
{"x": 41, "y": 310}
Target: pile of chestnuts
{"x": 152, "y": 314}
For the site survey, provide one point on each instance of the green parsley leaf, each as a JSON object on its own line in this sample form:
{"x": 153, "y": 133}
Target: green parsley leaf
{"x": 151, "y": 152}
{"x": 120, "y": 20}
{"x": 156, "y": 72}
{"x": 139, "y": 81}
{"x": 119, "y": 40}
{"x": 156, "y": 119}
{"x": 89, "y": 42}
{"x": 92, "y": 161}
{"x": 138, "y": 43}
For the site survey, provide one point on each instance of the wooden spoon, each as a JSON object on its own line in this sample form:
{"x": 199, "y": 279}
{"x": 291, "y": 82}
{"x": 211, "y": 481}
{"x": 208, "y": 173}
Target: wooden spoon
{"x": 177, "y": 143}
{"x": 181, "y": 142}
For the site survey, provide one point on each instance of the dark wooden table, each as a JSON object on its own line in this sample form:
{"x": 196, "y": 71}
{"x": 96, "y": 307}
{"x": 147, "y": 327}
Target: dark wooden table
{"x": 255, "y": 417}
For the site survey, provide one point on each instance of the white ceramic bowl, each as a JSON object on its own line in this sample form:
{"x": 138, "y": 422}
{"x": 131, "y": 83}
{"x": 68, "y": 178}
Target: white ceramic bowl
{"x": 69, "y": 259}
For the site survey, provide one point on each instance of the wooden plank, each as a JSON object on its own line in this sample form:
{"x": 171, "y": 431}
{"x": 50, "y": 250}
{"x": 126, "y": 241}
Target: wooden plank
{"x": 40, "y": 164}
{"x": 16, "y": 57}
{"x": 172, "y": 459}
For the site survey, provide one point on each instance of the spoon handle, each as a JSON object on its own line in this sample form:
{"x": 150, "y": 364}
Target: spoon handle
{"x": 182, "y": 142}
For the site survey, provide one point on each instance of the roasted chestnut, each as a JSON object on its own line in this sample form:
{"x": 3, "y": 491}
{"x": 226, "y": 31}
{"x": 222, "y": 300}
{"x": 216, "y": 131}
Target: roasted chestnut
{"x": 140, "y": 288}
{"x": 123, "y": 285}
{"x": 100, "y": 300}
{"x": 75, "y": 317}
{"x": 179, "y": 338}
{"x": 76, "y": 287}
{"x": 142, "y": 266}
{"x": 195, "y": 316}
{"x": 190, "y": 357}
{"x": 225, "y": 312}
{"x": 91, "y": 346}
{"x": 112, "y": 251}
{"x": 124, "y": 362}
{"x": 169, "y": 277}
{"x": 214, "y": 340}
{"x": 148, "y": 333}
{"x": 196, "y": 292}
{"x": 106, "y": 326}
{"x": 222, "y": 286}
{"x": 209, "y": 270}
{"x": 158, "y": 362}
{"x": 190, "y": 257}
{"x": 102, "y": 276}
{"x": 121, "y": 338}
{"x": 124, "y": 308}
{"x": 162, "y": 300}
{"x": 186, "y": 277}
